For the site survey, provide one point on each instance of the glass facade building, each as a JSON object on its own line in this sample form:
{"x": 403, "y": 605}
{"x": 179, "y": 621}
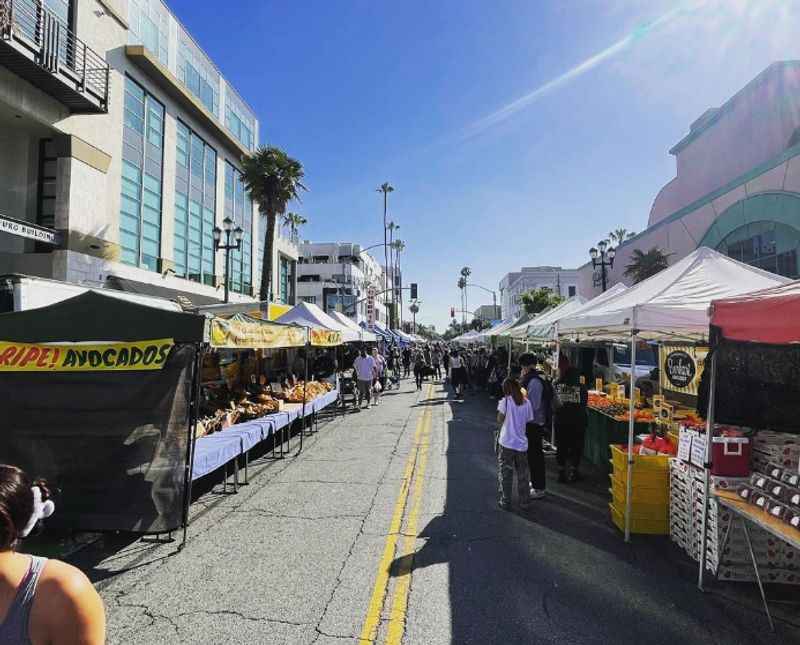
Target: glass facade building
{"x": 195, "y": 205}
{"x": 142, "y": 178}
{"x": 239, "y": 208}
{"x": 148, "y": 24}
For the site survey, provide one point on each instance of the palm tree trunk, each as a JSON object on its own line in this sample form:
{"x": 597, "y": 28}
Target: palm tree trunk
{"x": 385, "y": 254}
{"x": 266, "y": 264}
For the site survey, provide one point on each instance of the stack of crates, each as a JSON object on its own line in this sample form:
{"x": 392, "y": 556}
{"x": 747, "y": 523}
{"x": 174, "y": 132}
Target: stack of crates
{"x": 650, "y": 496}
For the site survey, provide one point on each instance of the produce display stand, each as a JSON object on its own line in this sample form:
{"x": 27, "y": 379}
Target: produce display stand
{"x": 755, "y": 341}
{"x": 100, "y": 399}
{"x": 228, "y": 446}
{"x": 749, "y": 513}
{"x": 669, "y": 306}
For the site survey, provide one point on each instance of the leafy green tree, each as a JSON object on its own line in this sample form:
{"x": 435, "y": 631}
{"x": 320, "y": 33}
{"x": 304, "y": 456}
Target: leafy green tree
{"x": 538, "y": 300}
{"x": 644, "y": 265}
{"x": 273, "y": 179}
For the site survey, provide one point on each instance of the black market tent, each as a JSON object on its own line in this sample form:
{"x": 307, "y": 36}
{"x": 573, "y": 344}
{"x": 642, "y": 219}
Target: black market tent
{"x": 98, "y": 394}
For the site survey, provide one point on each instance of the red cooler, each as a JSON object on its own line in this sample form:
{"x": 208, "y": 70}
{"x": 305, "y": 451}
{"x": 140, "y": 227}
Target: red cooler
{"x": 730, "y": 456}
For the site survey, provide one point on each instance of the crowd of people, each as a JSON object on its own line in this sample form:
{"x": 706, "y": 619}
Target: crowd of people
{"x": 533, "y": 400}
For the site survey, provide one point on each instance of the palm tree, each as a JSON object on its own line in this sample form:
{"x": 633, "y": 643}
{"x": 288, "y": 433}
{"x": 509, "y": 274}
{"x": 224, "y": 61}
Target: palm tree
{"x": 385, "y": 188}
{"x": 272, "y": 179}
{"x": 414, "y": 309}
{"x": 619, "y": 235}
{"x": 399, "y": 246}
{"x": 465, "y": 273}
{"x": 294, "y": 222}
{"x": 647, "y": 264}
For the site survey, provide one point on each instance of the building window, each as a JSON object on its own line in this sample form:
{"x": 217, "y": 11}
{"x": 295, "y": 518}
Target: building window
{"x": 148, "y": 25}
{"x": 768, "y": 245}
{"x": 284, "y": 280}
{"x": 239, "y": 208}
{"x": 142, "y": 177}
{"x": 312, "y": 300}
{"x": 239, "y": 119}
{"x": 195, "y": 205}
{"x": 197, "y": 72}
{"x": 571, "y": 291}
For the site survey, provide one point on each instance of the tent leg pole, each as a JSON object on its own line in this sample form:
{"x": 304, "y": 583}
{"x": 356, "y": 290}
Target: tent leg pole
{"x": 631, "y": 427}
{"x": 555, "y": 376}
{"x": 706, "y": 465}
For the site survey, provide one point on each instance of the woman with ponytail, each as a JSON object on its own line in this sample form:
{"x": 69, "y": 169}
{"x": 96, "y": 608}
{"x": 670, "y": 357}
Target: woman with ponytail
{"x": 42, "y": 602}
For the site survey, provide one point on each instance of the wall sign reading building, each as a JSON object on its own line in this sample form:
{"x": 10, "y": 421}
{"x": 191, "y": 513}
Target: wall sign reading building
{"x": 28, "y": 230}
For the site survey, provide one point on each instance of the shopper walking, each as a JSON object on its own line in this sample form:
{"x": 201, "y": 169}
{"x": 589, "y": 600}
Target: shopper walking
{"x": 436, "y": 361}
{"x": 514, "y": 412}
{"x": 446, "y": 363}
{"x": 365, "y": 374}
{"x": 41, "y": 600}
{"x": 540, "y": 394}
{"x": 406, "y": 362}
{"x": 569, "y": 403}
{"x": 419, "y": 369}
{"x": 380, "y": 374}
{"x": 458, "y": 373}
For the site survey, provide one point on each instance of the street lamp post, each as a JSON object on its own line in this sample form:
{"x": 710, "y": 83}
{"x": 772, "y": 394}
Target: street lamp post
{"x": 494, "y": 295}
{"x": 238, "y": 233}
{"x": 414, "y": 309}
{"x": 385, "y": 188}
{"x": 602, "y": 257}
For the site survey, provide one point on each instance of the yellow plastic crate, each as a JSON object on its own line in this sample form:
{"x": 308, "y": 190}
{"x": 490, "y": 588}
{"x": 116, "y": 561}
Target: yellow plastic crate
{"x": 644, "y": 526}
{"x": 642, "y": 510}
{"x": 644, "y": 490}
{"x": 641, "y": 463}
{"x": 648, "y": 478}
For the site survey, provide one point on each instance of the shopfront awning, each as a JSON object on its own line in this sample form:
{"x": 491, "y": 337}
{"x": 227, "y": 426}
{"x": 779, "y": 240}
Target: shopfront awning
{"x": 187, "y": 299}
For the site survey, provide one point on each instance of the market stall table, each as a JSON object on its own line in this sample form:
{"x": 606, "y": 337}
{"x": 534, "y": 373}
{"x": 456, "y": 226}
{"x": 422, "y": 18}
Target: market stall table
{"x": 749, "y": 513}
{"x": 603, "y": 430}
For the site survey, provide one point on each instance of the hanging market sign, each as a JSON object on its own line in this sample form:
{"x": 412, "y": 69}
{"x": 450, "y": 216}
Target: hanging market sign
{"x": 681, "y": 367}
{"x": 78, "y": 357}
{"x": 325, "y": 337}
{"x": 254, "y": 335}
{"x": 29, "y": 230}
{"x": 371, "y": 295}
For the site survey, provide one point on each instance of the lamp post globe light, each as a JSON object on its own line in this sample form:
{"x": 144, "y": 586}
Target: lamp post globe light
{"x": 238, "y": 234}
{"x": 603, "y": 256}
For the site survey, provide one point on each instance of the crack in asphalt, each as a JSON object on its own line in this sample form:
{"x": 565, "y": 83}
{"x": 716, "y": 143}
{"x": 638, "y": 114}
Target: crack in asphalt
{"x": 361, "y": 532}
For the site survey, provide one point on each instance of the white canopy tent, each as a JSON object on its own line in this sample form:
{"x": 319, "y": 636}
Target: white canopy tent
{"x": 364, "y": 335}
{"x": 499, "y": 328}
{"x": 671, "y": 305}
{"x": 540, "y": 329}
{"x": 468, "y": 338}
{"x": 308, "y": 315}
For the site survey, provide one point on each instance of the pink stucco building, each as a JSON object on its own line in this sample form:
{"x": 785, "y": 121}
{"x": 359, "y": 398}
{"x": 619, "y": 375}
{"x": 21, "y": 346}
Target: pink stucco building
{"x": 737, "y": 187}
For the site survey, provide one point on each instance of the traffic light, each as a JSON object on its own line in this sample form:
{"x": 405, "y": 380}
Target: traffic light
{"x": 413, "y": 290}
{"x": 452, "y": 312}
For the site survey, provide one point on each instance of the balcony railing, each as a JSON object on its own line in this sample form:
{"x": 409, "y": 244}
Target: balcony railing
{"x": 39, "y": 47}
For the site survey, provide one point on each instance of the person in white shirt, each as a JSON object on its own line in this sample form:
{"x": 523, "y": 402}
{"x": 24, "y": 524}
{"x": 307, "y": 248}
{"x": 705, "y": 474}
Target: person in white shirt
{"x": 365, "y": 374}
{"x": 458, "y": 373}
{"x": 514, "y": 412}
{"x": 380, "y": 374}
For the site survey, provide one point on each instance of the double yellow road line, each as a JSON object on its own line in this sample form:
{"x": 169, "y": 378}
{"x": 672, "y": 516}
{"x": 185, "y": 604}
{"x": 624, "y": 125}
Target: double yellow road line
{"x": 410, "y": 494}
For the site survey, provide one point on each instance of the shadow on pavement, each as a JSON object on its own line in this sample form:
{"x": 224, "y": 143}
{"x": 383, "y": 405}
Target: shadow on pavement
{"x": 561, "y": 572}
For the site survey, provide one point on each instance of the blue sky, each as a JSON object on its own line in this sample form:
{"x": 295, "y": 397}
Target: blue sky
{"x": 440, "y": 99}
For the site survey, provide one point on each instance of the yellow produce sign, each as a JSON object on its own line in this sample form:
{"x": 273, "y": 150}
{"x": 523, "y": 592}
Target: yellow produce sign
{"x": 254, "y": 335}
{"x": 325, "y": 338}
{"x": 79, "y": 357}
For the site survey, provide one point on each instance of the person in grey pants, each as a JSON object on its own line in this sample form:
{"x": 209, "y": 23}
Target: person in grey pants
{"x": 514, "y": 411}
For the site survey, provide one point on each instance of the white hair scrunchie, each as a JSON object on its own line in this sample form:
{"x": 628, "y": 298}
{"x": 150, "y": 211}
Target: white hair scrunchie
{"x": 41, "y": 510}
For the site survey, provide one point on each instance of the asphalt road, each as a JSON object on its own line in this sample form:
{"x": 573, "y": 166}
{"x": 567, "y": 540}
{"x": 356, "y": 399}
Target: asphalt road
{"x": 385, "y": 528}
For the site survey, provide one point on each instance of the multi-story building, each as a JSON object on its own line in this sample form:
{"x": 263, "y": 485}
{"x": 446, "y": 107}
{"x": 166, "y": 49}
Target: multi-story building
{"x": 488, "y": 313}
{"x": 561, "y": 281}
{"x": 337, "y": 276}
{"x": 120, "y": 148}
{"x": 737, "y": 185}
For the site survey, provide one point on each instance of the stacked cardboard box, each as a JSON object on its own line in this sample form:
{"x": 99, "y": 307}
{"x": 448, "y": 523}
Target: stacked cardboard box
{"x": 776, "y": 448}
{"x": 726, "y": 547}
